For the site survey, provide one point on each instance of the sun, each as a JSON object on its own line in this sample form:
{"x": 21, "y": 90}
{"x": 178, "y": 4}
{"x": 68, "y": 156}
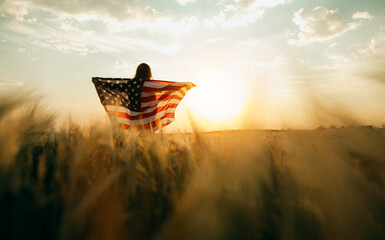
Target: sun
{"x": 217, "y": 98}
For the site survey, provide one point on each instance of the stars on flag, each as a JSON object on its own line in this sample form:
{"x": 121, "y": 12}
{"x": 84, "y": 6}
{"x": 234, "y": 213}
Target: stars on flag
{"x": 122, "y": 92}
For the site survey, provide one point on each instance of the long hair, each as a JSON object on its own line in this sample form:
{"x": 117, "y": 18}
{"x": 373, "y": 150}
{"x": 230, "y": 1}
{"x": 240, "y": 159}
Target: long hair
{"x": 143, "y": 72}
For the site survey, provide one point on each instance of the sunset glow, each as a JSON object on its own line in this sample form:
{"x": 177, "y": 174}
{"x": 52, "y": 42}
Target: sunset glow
{"x": 217, "y": 98}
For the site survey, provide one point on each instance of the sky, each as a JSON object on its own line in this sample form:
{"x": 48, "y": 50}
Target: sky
{"x": 256, "y": 63}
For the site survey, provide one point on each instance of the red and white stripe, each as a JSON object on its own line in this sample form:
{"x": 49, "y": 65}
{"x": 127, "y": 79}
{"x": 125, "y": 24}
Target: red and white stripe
{"x": 159, "y": 100}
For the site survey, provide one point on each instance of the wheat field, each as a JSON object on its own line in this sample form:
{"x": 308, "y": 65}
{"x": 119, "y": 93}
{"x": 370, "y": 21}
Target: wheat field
{"x": 97, "y": 182}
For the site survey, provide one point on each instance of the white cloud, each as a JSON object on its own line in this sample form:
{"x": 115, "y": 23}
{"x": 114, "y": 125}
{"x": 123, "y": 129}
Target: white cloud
{"x": 84, "y": 43}
{"x": 21, "y": 49}
{"x": 366, "y": 51}
{"x": 371, "y": 47}
{"x": 184, "y": 2}
{"x": 319, "y": 24}
{"x": 71, "y": 33}
{"x": 116, "y": 15}
{"x": 154, "y": 22}
{"x": 160, "y": 24}
{"x": 67, "y": 46}
{"x": 242, "y": 12}
{"x": 120, "y": 9}
{"x": 362, "y": 15}
{"x": 256, "y": 4}
{"x": 231, "y": 16}
{"x": 16, "y": 8}
{"x": 120, "y": 63}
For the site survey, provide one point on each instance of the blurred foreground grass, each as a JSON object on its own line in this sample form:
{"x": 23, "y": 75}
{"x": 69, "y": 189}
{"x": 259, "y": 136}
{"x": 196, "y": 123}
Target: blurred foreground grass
{"x": 100, "y": 183}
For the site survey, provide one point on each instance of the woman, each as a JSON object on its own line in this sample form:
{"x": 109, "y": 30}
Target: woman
{"x": 143, "y": 72}
{"x": 141, "y": 102}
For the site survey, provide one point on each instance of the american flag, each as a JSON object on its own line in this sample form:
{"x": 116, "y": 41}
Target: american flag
{"x": 140, "y": 104}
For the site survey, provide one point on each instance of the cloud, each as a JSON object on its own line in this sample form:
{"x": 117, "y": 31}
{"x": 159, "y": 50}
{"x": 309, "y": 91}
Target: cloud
{"x": 231, "y": 16}
{"x": 366, "y": 51}
{"x": 160, "y": 24}
{"x": 242, "y": 13}
{"x": 256, "y": 4}
{"x": 84, "y": 43}
{"x": 10, "y": 83}
{"x": 120, "y": 9}
{"x": 72, "y": 33}
{"x": 115, "y": 15}
{"x": 67, "y": 46}
{"x": 319, "y": 24}
{"x": 333, "y": 61}
{"x": 16, "y": 8}
{"x": 21, "y": 49}
{"x": 362, "y": 15}
{"x": 120, "y": 63}
{"x": 184, "y": 2}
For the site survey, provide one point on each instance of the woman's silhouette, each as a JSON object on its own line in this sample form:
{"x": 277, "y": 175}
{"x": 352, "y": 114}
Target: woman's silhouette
{"x": 143, "y": 72}
{"x": 141, "y": 102}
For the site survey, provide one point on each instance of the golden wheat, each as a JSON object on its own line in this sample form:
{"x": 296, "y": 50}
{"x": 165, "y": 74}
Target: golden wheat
{"x": 102, "y": 183}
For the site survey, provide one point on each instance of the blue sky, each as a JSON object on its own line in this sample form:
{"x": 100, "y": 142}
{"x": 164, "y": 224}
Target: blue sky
{"x": 256, "y": 63}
